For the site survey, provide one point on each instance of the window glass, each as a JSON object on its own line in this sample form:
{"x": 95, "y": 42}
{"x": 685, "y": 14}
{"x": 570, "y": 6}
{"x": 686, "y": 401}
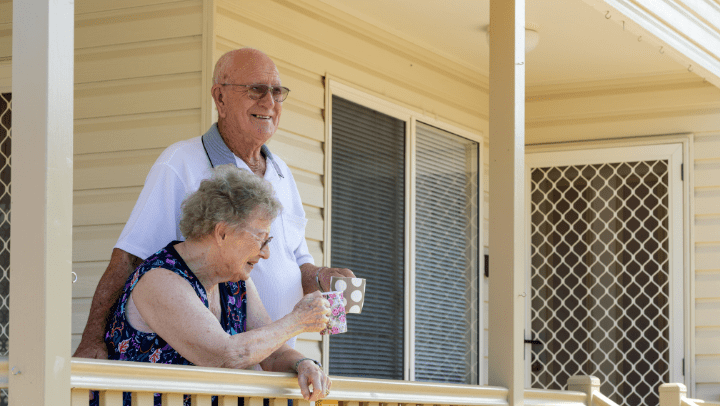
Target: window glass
{"x": 446, "y": 257}
{"x": 368, "y": 223}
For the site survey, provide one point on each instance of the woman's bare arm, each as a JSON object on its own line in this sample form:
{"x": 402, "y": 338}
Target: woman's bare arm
{"x": 170, "y": 307}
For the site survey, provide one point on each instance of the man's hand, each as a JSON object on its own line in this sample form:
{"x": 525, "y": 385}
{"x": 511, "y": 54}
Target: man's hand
{"x": 326, "y": 273}
{"x": 309, "y": 272}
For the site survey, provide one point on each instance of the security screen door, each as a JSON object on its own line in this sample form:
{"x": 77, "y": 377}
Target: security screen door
{"x": 605, "y": 269}
{"x": 5, "y": 149}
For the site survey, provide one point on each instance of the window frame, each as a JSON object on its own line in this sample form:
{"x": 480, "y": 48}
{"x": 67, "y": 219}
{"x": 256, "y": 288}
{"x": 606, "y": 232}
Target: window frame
{"x": 335, "y": 87}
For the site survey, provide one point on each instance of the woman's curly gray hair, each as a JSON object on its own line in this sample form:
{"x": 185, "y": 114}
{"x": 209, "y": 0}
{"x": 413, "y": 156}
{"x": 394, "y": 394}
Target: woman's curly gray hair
{"x": 231, "y": 195}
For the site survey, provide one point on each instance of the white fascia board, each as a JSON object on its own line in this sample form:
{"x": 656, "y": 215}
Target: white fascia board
{"x": 688, "y": 30}
{"x": 708, "y": 10}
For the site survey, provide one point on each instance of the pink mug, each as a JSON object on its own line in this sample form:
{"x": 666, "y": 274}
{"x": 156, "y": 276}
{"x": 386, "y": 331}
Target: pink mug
{"x": 337, "y": 323}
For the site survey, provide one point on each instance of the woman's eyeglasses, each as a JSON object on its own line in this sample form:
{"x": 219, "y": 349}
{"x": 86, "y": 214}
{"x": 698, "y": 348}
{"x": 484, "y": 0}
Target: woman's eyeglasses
{"x": 263, "y": 243}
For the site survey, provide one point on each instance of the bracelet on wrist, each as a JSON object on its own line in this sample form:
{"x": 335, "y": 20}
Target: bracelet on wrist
{"x": 297, "y": 364}
{"x": 317, "y": 277}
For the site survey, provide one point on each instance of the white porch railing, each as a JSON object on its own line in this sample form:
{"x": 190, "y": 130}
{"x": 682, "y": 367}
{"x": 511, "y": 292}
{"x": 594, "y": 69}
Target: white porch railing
{"x": 543, "y": 397}
{"x": 590, "y": 386}
{"x": 142, "y": 379}
{"x": 674, "y": 394}
{"x": 112, "y": 378}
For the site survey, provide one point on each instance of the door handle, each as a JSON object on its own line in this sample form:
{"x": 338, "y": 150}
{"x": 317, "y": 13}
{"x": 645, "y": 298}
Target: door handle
{"x": 533, "y": 342}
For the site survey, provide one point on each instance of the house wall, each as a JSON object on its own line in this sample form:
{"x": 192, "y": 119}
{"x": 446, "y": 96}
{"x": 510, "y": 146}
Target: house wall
{"x": 137, "y": 90}
{"x": 669, "y": 104}
{"x": 142, "y": 83}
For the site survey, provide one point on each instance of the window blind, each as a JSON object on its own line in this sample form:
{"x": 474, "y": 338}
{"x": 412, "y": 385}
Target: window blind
{"x": 368, "y": 223}
{"x": 446, "y": 257}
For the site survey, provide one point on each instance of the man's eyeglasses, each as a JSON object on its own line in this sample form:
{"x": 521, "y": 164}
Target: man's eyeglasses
{"x": 257, "y": 92}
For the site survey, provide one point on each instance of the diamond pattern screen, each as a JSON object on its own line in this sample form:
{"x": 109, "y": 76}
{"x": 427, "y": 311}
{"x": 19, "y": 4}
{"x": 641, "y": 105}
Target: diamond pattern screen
{"x": 600, "y": 277}
{"x": 5, "y": 143}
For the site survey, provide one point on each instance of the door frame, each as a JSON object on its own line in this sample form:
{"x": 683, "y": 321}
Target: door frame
{"x": 682, "y": 336}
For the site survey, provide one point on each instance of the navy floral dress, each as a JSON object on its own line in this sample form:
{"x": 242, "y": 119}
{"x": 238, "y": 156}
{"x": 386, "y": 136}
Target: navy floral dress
{"x": 125, "y": 343}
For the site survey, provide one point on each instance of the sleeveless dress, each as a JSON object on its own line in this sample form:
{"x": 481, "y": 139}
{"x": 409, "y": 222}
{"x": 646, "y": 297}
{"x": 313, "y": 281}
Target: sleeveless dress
{"x": 126, "y": 343}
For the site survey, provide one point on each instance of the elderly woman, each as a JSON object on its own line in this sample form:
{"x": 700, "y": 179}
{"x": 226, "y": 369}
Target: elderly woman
{"x": 193, "y": 302}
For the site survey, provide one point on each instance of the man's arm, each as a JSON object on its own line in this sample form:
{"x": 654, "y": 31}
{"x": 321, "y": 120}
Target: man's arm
{"x": 309, "y": 271}
{"x": 107, "y": 292}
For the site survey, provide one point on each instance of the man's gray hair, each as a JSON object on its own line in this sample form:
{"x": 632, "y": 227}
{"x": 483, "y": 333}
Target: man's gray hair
{"x": 231, "y": 195}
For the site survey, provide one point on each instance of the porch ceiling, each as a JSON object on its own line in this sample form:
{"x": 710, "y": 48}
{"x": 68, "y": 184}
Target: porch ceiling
{"x": 577, "y": 43}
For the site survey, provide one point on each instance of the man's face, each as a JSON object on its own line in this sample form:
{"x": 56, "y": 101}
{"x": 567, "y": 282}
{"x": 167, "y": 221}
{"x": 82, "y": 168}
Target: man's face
{"x": 242, "y": 116}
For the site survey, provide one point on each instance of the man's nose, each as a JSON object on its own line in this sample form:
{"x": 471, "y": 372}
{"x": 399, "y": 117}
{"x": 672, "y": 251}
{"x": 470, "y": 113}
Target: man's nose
{"x": 267, "y": 99}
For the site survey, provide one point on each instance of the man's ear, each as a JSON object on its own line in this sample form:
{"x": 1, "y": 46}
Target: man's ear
{"x": 219, "y": 98}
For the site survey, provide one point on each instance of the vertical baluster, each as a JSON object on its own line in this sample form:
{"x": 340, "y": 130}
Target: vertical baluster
{"x": 201, "y": 400}
{"x": 79, "y": 397}
{"x": 143, "y": 399}
{"x": 110, "y": 398}
{"x": 227, "y": 400}
{"x": 350, "y": 404}
{"x": 278, "y": 402}
{"x": 302, "y": 402}
{"x": 172, "y": 399}
{"x": 254, "y": 401}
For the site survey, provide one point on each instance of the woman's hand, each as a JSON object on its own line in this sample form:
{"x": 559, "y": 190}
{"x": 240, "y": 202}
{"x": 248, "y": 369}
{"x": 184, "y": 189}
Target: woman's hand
{"x": 312, "y": 312}
{"x": 311, "y": 374}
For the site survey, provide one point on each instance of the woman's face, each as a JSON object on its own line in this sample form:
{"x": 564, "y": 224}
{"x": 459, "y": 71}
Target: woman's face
{"x": 245, "y": 246}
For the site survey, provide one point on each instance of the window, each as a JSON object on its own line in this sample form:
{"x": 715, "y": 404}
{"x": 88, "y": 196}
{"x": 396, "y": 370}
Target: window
{"x": 404, "y": 214}
{"x": 368, "y": 235}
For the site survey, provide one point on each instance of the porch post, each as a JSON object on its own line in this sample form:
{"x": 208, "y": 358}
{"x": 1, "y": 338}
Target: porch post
{"x": 41, "y": 202}
{"x": 507, "y": 197}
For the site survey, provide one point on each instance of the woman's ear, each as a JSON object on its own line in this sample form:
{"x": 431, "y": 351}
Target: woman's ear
{"x": 220, "y": 231}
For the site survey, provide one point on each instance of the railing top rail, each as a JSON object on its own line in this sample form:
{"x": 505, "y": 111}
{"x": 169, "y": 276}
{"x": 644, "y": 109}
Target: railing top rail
{"x": 599, "y": 399}
{"x": 136, "y": 376}
{"x": 539, "y": 397}
{"x": 701, "y": 402}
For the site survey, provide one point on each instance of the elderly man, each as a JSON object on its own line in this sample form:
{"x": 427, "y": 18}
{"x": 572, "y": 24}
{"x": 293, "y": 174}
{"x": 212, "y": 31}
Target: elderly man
{"x": 248, "y": 95}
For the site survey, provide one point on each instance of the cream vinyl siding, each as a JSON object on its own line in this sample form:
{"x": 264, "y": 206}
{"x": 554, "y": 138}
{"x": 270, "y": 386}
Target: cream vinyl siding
{"x": 137, "y": 90}
{"x": 668, "y": 104}
{"x": 307, "y": 40}
{"x": 707, "y": 263}
{"x": 6, "y": 12}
